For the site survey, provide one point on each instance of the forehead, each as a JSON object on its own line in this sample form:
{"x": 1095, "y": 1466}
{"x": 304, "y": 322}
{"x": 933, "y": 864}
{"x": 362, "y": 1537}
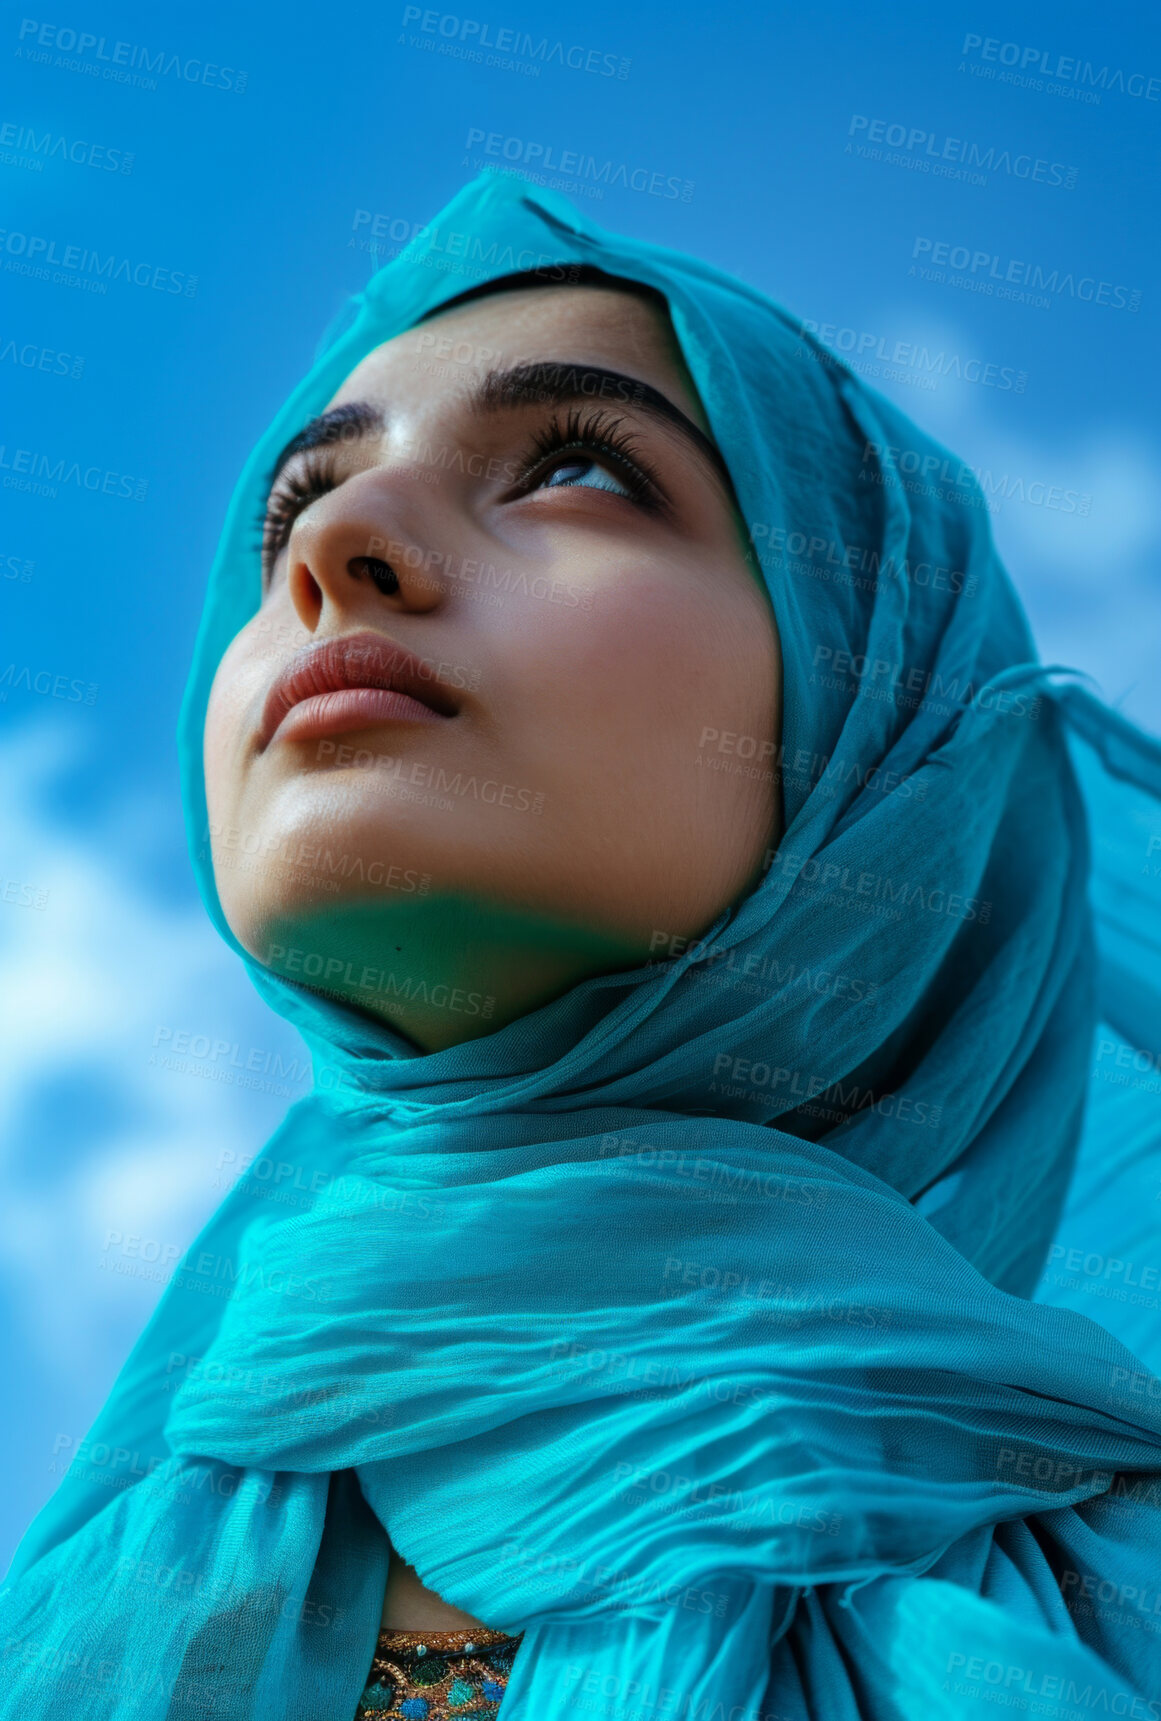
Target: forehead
{"x": 579, "y": 325}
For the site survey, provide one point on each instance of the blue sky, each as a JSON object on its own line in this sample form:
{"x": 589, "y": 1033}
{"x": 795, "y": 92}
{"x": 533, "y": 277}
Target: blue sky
{"x": 825, "y": 154}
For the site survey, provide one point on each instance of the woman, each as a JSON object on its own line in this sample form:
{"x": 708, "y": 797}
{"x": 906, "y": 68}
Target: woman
{"x": 624, "y": 761}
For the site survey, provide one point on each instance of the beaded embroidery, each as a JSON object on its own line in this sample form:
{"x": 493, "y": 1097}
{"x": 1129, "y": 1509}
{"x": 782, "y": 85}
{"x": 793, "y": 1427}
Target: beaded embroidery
{"x": 437, "y": 1676}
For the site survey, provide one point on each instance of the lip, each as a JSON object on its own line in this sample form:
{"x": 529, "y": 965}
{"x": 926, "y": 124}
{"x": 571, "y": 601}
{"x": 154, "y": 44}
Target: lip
{"x": 350, "y": 683}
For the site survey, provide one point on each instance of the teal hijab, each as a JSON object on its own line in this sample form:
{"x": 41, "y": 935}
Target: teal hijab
{"x": 686, "y": 1324}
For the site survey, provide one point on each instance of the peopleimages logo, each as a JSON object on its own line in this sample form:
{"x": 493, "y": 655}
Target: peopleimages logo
{"x": 869, "y": 352}
{"x": 1019, "y": 1683}
{"x": 47, "y": 683}
{"x": 76, "y": 264}
{"x": 938, "y": 469}
{"x": 1018, "y": 59}
{"x": 474, "y": 33}
{"x": 39, "y": 474}
{"x": 984, "y": 268}
{"x": 30, "y": 355}
{"x": 920, "y": 143}
{"x": 92, "y": 55}
{"x": 542, "y": 158}
{"x": 37, "y": 148}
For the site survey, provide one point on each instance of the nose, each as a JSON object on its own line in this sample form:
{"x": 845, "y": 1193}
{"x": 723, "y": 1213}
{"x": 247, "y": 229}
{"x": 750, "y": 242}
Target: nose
{"x": 351, "y": 555}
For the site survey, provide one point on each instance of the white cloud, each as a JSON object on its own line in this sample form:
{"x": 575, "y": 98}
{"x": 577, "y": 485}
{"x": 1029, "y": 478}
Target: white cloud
{"x": 86, "y": 983}
{"x": 1089, "y": 580}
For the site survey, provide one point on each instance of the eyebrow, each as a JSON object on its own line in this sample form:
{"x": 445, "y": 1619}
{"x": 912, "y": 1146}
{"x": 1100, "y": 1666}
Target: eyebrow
{"x": 556, "y": 382}
{"x": 348, "y": 423}
{"x": 547, "y": 382}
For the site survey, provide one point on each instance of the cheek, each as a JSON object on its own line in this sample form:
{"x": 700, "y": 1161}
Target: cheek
{"x": 660, "y": 655}
{"x": 242, "y": 674}
{"x": 664, "y": 658}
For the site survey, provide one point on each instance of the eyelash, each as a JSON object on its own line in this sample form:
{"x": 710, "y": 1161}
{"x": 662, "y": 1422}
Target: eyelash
{"x": 597, "y": 432}
{"x": 311, "y": 476}
{"x": 314, "y": 473}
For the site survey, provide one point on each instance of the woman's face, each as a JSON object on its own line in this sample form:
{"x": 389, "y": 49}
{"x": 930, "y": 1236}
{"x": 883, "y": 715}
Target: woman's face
{"x": 461, "y": 753}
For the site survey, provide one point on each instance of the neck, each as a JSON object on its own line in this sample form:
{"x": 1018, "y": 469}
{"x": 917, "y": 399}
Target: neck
{"x": 441, "y": 969}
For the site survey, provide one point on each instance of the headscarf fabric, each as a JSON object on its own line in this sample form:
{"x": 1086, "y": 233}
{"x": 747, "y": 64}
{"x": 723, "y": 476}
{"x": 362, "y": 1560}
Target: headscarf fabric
{"x": 686, "y": 1324}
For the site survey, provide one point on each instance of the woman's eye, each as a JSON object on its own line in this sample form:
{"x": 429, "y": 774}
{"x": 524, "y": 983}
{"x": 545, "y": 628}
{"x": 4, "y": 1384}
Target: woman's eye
{"x": 285, "y": 507}
{"x": 580, "y": 473}
{"x": 294, "y": 494}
